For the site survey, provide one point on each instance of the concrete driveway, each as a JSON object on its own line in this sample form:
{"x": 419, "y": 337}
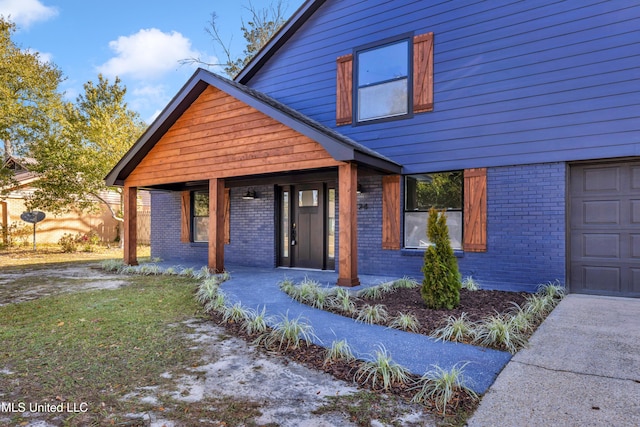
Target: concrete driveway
{"x": 582, "y": 368}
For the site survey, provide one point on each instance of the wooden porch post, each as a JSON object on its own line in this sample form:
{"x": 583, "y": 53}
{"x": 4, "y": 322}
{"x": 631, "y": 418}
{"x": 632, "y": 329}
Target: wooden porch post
{"x": 130, "y": 229}
{"x": 216, "y": 225}
{"x": 348, "y": 235}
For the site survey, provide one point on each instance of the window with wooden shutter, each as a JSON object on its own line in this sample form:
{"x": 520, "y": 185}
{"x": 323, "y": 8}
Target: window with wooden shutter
{"x": 344, "y": 95}
{"x": 475, "y": 210}
{"x": 185, "y": 216}
{"x": 391, "y": 212}
{"x": 378, "y": 75}
{"x": 423, "y": 73}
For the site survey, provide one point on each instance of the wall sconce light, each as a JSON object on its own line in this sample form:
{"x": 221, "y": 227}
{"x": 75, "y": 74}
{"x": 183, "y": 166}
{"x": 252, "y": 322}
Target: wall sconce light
{"x": 250, "y": 195}
{"x": 359, "y": 189}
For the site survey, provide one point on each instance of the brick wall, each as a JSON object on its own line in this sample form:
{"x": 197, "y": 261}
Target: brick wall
{"x": 525, "y": 228}
{"x": 252, "y": 229}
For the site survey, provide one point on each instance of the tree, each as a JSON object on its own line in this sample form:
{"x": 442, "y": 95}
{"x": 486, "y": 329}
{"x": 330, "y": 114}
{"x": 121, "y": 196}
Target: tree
{"x": 264, "y": 23}
{"x": 29, "y": 95}
{"x": 441, "y": 284}
{"x": 89, "y": 139}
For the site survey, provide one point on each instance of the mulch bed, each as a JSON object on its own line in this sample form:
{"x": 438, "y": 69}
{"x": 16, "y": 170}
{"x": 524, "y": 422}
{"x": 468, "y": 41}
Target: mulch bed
{"x": 477, "y": 304}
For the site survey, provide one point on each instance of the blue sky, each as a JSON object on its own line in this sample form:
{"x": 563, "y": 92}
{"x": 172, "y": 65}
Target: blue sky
{"x": 141, "y": 41}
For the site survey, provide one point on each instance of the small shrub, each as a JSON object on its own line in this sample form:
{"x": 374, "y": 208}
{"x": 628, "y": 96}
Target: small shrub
{"x": 68, "y": 243}
{"x": 441, "y": 285}
{"x": 339, "y": 350}
{"x": 439, "y": 385}
{"x": 406, "y": 322}
{"x": 382, "y": 369}
{"x": 372, "y": 314}
{"x": 458, "y": 329}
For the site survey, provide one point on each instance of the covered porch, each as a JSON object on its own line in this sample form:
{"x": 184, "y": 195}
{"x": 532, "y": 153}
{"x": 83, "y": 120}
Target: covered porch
{"x": 217, "y": 135}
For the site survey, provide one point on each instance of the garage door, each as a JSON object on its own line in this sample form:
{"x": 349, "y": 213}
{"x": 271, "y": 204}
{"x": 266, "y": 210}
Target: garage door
{"x": 605, "y": 229}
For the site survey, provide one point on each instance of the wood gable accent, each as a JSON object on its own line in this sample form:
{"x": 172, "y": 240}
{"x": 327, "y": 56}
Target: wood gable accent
{"x": 475, "y": 210}
{"x": 219, "y": 136}
{"x": 391, "y": 212}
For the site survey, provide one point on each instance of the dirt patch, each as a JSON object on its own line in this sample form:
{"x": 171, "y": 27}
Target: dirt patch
{"x": 25, "y": 284}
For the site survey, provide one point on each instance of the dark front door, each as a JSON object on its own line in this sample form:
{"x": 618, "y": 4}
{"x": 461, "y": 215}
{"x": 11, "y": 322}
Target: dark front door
{"x": 308, "y": 227}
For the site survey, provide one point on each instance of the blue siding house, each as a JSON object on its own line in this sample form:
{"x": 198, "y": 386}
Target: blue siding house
{"x": 520, "y": 119}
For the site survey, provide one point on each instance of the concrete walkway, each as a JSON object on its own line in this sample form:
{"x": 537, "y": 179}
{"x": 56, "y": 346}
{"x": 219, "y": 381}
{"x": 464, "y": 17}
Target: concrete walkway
{"x": 582, "y": 368}
{"x": 259, "y": 287}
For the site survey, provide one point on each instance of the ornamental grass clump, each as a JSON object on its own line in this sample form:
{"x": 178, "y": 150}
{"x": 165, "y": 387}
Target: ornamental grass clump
{"x": 406, "y": 322}
{"x": 382, "y": 371}
{"x": 339, "y": 351}
{"x": 218, "y": 303}
{"x": 441, "y": 285}
{"x": 235, "y": 313}
{"x": 440, "y": 386}
{"x": 255, "y": 322}
{"x": 343, "y": 302}
{"x": 470, "y": 284}
{"x": 207, "y": 290}
{"x": 458, "y": 329}
{"x": 500, "y": 331}
{"x": 112, "y": 265}
{"x": 406, "y": 283}
{"x": 372, "y": 314}
{"x": 287, "y": 334}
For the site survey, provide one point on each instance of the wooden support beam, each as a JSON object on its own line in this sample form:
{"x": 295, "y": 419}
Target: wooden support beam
{"x": 216, "y": 225}
{"x": 130, "y": 229}
{"x": 348, "y": 235}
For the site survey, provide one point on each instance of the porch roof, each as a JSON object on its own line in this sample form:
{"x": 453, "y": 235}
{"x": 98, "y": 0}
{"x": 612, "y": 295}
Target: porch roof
{"x": 339, "y": 147}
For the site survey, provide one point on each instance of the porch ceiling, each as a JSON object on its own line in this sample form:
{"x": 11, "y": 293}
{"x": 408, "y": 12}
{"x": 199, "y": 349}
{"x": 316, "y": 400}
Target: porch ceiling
{"x": 215, "y": 127}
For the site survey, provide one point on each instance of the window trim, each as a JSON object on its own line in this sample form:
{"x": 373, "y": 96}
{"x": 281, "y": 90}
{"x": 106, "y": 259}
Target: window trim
{"x": 406, "y": 37}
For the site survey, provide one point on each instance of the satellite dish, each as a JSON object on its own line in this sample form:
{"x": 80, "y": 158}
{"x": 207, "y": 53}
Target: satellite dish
{"x": 32, "y": 217}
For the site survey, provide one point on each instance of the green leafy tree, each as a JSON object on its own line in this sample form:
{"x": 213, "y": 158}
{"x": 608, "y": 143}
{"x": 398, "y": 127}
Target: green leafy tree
{"x": 262, "y": 25}
{"x": 90, "y": 138}
{"x": 29, "y": 96}
{"x": 441, "y": 285}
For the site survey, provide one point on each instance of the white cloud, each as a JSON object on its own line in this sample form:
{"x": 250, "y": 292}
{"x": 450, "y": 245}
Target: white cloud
{"x": 147, "y": 55}
{"x": 26, "y": 12}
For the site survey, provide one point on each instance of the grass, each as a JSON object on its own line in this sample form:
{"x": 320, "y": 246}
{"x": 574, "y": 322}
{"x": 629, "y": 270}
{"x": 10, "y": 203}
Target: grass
{"x": 501, "y": 332}
{"x": 46, "y": 255}
{"x": 97, "y": 346}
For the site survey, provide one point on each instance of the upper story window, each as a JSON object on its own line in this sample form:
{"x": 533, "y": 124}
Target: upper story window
{"x": 383, "y": 78}
{"x": 388, "y": 80}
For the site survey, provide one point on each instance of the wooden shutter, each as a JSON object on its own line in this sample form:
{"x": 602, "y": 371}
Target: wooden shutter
{"x": 185, "y": 217}
{"x": 391, "y": 212}
{"x": 475, "y": 210}
{"x": 227, "y": 214}
{"x": 423, "y": 73}
{"x": 344, "y": 90}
